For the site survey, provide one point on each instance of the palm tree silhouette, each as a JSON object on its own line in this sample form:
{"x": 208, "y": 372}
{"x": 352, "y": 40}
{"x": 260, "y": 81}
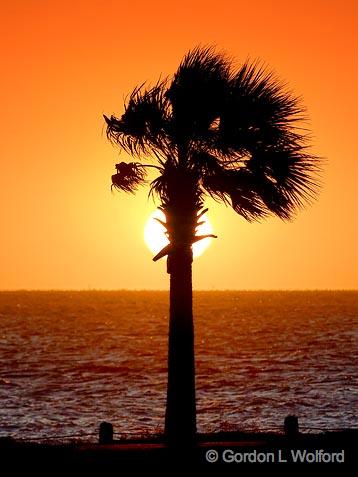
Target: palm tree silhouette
{"x": 229, "y": 133}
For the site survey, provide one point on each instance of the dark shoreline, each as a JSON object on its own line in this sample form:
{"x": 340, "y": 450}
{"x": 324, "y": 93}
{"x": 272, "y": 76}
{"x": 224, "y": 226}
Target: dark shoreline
{"x": 250, "y": 449}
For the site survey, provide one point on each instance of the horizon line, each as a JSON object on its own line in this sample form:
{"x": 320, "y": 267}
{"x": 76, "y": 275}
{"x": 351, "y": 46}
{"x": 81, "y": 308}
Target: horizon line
{"x": 2, "y": 290}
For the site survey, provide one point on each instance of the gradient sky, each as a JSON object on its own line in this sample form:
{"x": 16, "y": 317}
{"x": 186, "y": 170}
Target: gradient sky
{"x": 65, "y": 63}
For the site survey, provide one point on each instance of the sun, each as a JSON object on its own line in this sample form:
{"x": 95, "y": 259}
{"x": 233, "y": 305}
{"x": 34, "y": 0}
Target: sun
{"x": 155, "y": 238}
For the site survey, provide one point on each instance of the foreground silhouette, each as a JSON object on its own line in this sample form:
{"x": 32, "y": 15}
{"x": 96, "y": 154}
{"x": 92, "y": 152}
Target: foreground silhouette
{"x": 213, "y": 130}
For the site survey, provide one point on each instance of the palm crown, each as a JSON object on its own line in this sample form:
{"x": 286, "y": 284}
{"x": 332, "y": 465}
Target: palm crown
{"x": 215, "y": 130}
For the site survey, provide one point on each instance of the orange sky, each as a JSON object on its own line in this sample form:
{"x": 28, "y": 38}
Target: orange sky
{"x": 64, "y": 63}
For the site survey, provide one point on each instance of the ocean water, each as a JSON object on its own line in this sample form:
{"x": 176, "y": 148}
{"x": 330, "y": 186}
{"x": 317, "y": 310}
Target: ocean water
{"x": 69, "y": 360}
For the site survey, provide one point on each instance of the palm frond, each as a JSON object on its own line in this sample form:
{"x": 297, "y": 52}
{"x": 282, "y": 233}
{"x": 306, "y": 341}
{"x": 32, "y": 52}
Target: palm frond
{"x": 290, "y": 172}
{"x": 235, "y": 188}
{"x": 258, "y": 113}
{"x": 129, "y": 177}
{"x": 142, "y": 127}
{"x": 197, "y": 91}
{"x": 275, "y": 182}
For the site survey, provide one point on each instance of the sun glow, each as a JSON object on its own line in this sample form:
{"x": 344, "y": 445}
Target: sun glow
{"x": 155, "y": 238}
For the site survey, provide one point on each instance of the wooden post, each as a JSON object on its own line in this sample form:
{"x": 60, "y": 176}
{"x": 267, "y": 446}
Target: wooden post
{"x": 291, "y": 426}
{"x": 105, "y": 433}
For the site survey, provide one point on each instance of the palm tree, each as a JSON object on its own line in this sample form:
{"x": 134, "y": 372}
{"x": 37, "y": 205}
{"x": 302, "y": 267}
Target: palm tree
{"x": 229, "y": 133}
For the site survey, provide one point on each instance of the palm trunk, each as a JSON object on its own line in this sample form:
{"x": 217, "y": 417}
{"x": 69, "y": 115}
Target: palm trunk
{"x": 180, "y": 419}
